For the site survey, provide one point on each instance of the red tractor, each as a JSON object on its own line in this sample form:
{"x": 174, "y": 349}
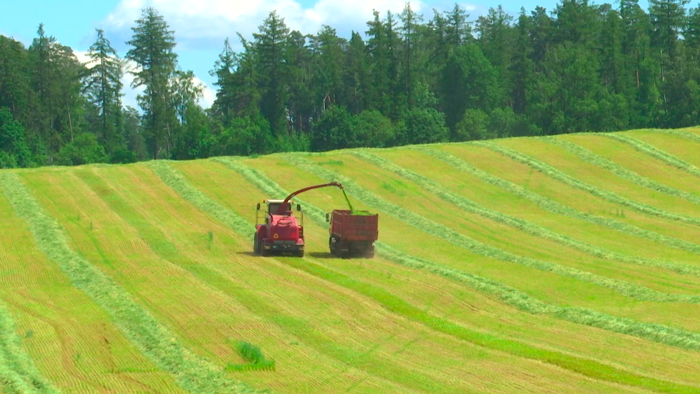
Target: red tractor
{"x": 281, "y": 231}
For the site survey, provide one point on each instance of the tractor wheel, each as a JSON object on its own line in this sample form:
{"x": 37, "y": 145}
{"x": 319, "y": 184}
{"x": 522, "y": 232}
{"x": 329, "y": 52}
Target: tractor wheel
{"x": 263, "y": 251}
{"x": 256, "y": 245}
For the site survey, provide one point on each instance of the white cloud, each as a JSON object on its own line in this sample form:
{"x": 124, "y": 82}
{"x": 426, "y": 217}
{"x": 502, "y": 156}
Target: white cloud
{"x": 203, "y": 25}
{"x": 208, "y": 94}
{"x": 206, "y": 23}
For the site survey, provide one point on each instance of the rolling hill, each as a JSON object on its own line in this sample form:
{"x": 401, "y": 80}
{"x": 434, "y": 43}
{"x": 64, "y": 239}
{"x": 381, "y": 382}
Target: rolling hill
{"x": 553, "y": 264}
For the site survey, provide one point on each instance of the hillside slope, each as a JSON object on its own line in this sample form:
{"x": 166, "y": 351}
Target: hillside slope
{"x": 558, "y": 264}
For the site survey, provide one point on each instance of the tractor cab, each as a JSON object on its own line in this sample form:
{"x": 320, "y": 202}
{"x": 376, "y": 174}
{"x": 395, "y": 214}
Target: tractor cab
{"x": 274, "y": 205}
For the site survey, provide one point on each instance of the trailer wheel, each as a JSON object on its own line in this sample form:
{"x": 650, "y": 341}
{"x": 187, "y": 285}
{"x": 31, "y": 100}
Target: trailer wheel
{"x": 256, "y": 245}
{"x": 300, "y": 253}
{"x": 334, "y": 245}
{"x": 263, "y": 251}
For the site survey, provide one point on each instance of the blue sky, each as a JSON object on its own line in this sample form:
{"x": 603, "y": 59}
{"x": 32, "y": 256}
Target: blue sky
{"x": 201, "y": 26}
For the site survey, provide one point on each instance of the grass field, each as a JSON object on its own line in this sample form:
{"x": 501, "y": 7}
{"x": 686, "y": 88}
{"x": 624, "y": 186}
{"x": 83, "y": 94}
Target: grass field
{"x": 537, "y": 265}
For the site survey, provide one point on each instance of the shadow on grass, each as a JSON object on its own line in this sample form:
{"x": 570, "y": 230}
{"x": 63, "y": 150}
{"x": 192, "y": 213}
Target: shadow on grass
{"x": 321, "y": 255}
{"x": 249, "y": 253}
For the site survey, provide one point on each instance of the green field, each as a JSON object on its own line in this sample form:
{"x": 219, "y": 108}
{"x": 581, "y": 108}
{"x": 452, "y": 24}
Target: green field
{"x": 554, "y": 264}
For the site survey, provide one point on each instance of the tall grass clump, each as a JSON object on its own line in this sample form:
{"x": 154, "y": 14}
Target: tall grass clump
{"x": 18, "y": 374}
{"x": 523, "y": 225}
{"x": 441, "y": 231}
{"x": 622, "y": 172}
{"x": 555, "y": 207}
{"x": 191, "y": 372}
{"x": 573, "y": 182}
{"x": 655, "y": 152}
{"x": 254, "y": 357}
{"x": 508, "y": 295}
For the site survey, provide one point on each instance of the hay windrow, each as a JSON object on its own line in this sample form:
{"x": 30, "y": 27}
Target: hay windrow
{"x": 590, "y": 157}
{"x": 508, "y": 295}
{"x": 655, "y": 152}
{"x": 683, "y": 134}
{"x": 573, "y": 182}
{"x": 192, "y": 373}
{"x": 18, "y": 374}
{"x": 523, "y": 225}
{"x": 441, "y": 231}
{"x": 657, "y": 333}
{"x": 555, "y": 207}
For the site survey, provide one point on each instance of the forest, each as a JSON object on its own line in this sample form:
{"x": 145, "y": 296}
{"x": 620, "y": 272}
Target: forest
{"x": 406, "y": 79}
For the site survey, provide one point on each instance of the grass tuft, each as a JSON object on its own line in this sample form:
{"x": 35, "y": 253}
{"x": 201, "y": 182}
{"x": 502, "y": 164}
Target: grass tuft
{"x": 255, "y": 360}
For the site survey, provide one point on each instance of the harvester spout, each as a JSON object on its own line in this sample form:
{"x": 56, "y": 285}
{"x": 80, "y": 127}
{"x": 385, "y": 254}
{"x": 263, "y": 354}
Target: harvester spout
{"x": 284, "y": 206}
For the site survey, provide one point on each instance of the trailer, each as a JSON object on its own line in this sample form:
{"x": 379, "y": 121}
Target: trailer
{"x": 352, "y": 233}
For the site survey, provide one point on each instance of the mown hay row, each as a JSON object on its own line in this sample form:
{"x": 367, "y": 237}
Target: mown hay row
{"x": 654, "y": 332}
{"x": 508, "y": 295}
{"x": 555, "y": 207}
{"x": 175, "y": 180}
{"x": 191, "y": 372}
{"x": 586, "y": 367}
{"x": 520, "y": 224}
{"x": 441, "y": 231}
{"x": 573, "y": 182}
{"x": 655, "y": 152}
{"x": 18, "y": 374}
{"x": 592, "y": 158}
{"x": 684, "y": 134}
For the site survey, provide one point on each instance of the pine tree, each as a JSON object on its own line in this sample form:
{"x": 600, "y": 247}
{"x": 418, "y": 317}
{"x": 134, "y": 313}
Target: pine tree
{"x": 457, "y": 29}
{"x": 152, "y": 50}
{"x": 410, "y": 67}
{"x": 355, "y": 75}
{"x": 224, "y": 70}
{"x": 327, "y": 49}
{"x": 522, "y": 67}
{"x": 103, "y": 89}
{"x": 612, "y": 59}
{"x": 270, "y": 46}
{"x": 56, "y": 82}
{"x": 495, "y": 41}
{"x": 378, "y": 57}
{"x": 667, "y": 20}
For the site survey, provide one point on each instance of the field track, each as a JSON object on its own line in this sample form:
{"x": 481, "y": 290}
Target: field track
{"x": 553, "y": 264}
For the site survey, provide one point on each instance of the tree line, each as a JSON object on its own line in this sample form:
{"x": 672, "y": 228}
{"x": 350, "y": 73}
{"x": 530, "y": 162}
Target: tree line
{"x": 404, "y": 80}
